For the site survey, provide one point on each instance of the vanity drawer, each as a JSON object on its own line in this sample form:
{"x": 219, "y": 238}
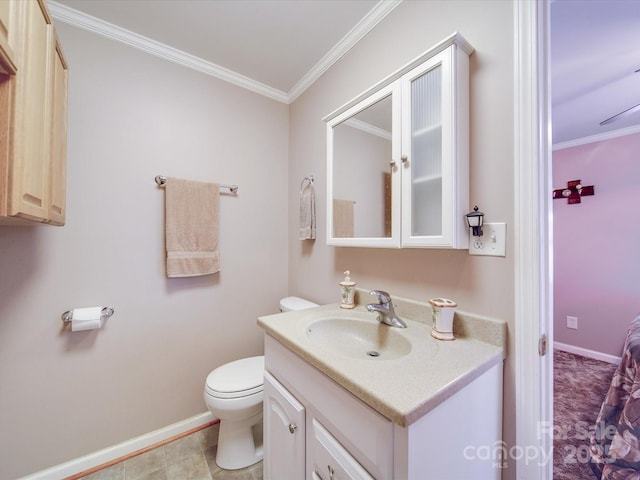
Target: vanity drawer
{"x": 330, "y": 460}
{"x": 363, "y": 432}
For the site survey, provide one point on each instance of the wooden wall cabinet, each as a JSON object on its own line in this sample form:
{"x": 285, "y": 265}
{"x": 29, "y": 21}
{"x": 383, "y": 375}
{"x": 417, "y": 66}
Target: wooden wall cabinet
{"x": 7, "y": 57}
{"x": 33, "y": 107}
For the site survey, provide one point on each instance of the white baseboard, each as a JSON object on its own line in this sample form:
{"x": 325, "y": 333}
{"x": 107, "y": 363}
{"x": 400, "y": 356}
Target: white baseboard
{"x": 127, "y": 447}
{"x": 587, "y": 353}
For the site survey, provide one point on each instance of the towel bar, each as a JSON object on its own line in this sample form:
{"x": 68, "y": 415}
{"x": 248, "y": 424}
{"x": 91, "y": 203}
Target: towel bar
{"x": 308, "y": 179}
{"x": 161, "y": 180}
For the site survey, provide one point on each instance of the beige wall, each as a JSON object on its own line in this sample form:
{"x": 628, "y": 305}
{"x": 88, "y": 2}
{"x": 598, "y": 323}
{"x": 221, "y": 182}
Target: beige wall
{"x": 133, "y": 116}
{"x": 479, "y": 284}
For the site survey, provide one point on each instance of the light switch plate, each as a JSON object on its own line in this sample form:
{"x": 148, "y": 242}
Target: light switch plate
{"x": 493, "y": 241}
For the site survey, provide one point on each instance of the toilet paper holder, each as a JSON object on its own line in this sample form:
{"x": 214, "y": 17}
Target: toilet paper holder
{"x": 68, "y": 315}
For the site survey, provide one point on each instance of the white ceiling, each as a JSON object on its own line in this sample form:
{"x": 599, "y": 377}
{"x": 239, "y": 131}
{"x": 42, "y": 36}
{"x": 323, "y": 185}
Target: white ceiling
{"x": 595, "y": 52}
{"x": 282, "y": 46}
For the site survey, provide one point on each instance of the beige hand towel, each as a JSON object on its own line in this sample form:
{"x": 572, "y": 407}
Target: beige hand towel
{"x": 307, "y": 230}
{"x": 342, "y": 218}
{"x": 191, "y": 227}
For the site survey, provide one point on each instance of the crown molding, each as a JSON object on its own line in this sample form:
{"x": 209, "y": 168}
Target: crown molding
{"x": 81, "y": 20}
{"x": 368, "y": 128}
{"x": 601, "y": 137}
{"x": 364, "y": 26}
{"x": 92, "y": 24}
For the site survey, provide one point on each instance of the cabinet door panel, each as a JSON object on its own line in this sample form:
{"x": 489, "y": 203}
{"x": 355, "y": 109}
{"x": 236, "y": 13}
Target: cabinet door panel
{"x": 363, "y": 144}
{"x": 427, "y": 141}
{"x": 7, "y": 59}
{"x": 284, "y": 432}
{"x": 29, "y": 185}
{"x": 57, "y": 175}
{"x": 435, "y": 125}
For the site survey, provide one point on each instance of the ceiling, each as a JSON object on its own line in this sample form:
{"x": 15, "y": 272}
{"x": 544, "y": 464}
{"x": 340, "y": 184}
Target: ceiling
{"x": 595, "y": 52}
{"x": 282, "y": 46}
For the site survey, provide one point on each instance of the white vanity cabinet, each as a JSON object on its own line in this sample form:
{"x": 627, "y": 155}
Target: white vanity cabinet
{"x": 305, "y": 411}
{"x": 314, "y": 425}
{"x": 398, "y": 157}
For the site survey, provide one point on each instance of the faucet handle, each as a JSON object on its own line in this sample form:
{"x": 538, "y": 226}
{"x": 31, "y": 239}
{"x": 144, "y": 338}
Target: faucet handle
{"x": 383, "y": 297}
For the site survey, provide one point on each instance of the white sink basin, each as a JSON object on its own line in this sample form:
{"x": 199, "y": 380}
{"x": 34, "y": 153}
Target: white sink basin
{"x": 364, "y": 339}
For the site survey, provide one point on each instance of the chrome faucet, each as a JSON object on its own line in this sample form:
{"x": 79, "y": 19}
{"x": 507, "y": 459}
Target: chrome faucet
{"x": 384, "y": 307}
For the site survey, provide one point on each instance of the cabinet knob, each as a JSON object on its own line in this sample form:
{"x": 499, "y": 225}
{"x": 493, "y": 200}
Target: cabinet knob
{"x": 292, "y": 428}
{"x": 404, "y": 158}
{"x": 331, "y": 472}
{"x": 393, "y": 162}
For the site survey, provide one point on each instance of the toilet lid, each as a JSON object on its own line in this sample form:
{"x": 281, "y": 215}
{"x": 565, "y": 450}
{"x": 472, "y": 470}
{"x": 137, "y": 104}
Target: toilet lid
{"x": 237, "y": 379}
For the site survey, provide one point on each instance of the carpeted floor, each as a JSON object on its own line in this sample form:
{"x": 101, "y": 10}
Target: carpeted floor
{"x": 579, "y": 387}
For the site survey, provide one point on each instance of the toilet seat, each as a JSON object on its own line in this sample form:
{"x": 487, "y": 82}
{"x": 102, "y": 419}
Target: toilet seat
{"x": 236, "y": 379}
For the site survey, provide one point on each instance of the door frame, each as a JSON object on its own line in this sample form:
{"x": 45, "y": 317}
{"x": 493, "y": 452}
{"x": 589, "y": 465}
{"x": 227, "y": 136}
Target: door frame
{"x": 533, "y": 450}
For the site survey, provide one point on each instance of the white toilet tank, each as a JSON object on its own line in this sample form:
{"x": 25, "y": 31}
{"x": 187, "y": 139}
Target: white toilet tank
{"x": 289, "y": 304}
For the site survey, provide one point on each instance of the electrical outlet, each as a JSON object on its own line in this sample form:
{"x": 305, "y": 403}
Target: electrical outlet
{"x": 493, "y": 241}
{"x": 572, "y": 322}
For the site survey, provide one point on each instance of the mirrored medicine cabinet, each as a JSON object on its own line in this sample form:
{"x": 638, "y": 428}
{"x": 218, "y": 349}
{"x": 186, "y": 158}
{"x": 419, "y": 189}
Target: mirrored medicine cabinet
{"x": 397, "y": 156}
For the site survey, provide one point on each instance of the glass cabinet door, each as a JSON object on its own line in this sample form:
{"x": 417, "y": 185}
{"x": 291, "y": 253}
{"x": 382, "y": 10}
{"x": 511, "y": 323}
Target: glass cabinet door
{"x": 427, "y": 154}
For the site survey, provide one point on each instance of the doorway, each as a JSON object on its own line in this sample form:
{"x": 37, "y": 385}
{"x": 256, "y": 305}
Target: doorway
{"x": 593, "y": 287}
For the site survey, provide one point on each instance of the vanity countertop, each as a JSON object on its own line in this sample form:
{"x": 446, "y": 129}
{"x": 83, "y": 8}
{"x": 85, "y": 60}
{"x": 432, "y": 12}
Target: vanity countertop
{"x": 406, "y": 388}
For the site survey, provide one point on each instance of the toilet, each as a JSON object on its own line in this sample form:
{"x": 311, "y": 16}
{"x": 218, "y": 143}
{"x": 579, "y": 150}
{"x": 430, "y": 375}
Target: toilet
{"x": 233, "y": 393}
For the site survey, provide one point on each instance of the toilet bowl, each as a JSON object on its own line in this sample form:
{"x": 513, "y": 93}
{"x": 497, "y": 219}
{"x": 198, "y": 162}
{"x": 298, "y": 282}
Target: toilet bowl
{"x": 233, "y": 393}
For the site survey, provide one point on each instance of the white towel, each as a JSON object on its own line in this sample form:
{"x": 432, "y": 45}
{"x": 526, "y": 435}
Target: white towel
{"x": 307, "y": 213}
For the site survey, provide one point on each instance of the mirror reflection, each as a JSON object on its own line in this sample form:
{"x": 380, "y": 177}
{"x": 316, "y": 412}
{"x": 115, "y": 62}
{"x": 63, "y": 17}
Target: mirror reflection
{"x": 362, "y": 173}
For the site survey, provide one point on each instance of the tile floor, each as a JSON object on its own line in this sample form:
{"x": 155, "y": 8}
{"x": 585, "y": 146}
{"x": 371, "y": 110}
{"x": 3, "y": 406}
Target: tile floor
{"x": 189, "y": 458}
